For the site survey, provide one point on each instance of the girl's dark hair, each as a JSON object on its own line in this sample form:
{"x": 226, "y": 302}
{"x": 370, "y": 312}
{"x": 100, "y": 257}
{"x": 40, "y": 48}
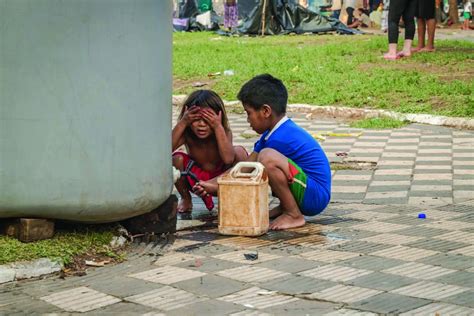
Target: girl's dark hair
{"x": 205, "y": 99}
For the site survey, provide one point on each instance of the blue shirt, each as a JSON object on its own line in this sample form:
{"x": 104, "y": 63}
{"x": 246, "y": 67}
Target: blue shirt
{"x": 297, "y": 144}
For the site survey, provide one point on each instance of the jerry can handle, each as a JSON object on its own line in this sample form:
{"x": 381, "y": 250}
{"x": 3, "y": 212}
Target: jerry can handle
{"x": 257, "y": 172}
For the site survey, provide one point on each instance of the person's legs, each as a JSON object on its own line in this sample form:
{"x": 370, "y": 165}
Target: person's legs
{"x": 409, "y": 18}
{"x": 421, "y": 24}
{"x": 278, "y": 174}
{"x": 431, "y": 26}
{"x": 395, "y": 11}
{"x": 185, "y": 204}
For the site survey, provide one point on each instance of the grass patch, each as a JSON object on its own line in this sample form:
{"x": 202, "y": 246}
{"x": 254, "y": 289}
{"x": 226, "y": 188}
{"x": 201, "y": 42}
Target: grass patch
{"x": 332, "y": 70}
{"x": 63, "y": 247}
{"x": 379, "y": 123}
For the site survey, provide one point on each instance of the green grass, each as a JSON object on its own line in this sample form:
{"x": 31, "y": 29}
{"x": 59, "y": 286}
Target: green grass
{"x": 378, "y": 122}
{"x": 62, "y": 247}
{"x": 332, "y": 70}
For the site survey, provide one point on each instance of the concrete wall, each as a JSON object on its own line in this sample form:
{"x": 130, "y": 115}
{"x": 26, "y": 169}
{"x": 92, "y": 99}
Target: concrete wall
{"x": 85, "y": 108}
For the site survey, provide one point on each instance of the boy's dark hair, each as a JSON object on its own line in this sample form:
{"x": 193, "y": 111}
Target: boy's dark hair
{"x": 264, "y": 89}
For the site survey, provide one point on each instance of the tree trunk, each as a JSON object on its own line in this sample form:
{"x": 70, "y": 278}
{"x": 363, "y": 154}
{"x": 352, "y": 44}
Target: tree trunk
{"x": 453, "y": 11}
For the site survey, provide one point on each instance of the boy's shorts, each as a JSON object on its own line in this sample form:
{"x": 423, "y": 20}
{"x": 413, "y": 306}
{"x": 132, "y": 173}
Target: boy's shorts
{"x": 467, "y": 15}
{"x": 307, "y": 192}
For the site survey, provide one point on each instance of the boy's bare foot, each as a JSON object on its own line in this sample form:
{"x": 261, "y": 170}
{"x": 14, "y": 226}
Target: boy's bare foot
{"x": 285, "y": 221}
{"x": 275, "y": 212}
{"x": 185, "y": 206}
{"x": 416, "y": 49}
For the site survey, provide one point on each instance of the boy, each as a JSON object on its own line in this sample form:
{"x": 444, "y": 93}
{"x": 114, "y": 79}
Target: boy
{"x": 298, "y": 170}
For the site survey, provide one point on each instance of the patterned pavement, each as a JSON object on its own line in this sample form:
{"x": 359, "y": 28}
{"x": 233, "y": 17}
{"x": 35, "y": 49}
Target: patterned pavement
{"x": 369, "y": 253}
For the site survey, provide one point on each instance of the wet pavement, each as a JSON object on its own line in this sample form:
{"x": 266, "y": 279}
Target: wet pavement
{"x": 370, "y": 252}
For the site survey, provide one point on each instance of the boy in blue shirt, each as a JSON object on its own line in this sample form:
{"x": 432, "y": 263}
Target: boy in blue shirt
{"x": 297, "y": 167}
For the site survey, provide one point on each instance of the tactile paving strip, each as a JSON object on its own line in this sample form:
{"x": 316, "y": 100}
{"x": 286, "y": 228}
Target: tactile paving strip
{"x": 81, "y": 299}
{"x": 165, "y": 298}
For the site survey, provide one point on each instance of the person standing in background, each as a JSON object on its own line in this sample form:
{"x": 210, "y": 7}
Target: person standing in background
{"x": 336, "y": 8}
{"x": 426, "y": 21}
{"x": 231, "y": 14}
{"x": 467, "y": 14}
{"x": 384, "y": 20}
{"x": 399, "y": 8}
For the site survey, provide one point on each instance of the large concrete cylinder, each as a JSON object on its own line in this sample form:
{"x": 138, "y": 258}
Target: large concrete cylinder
{"x": 85, "y": 108}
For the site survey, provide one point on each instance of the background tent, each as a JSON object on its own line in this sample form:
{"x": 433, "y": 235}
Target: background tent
{"x": 273, "y": 17}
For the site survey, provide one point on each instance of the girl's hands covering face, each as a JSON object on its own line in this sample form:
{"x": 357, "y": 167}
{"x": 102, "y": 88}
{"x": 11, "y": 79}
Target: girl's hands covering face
{"x": 191, "y": 114}
{"x": 211, "y": 118}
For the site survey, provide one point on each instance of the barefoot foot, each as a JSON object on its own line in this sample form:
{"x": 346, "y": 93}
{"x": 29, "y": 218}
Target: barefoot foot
{"x": 185, "y": 206}
{"x": 285, "y": 221}
{"x": 391, "y": 56}
{"x": 427, "y": 50}
{"x": 275, "y": 212}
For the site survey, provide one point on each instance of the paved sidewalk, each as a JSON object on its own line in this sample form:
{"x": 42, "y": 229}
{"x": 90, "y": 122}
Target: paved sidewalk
{"x": 367, "y": 254}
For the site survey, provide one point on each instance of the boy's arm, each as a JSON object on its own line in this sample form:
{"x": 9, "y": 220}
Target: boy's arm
{"x": 253, "y": 156}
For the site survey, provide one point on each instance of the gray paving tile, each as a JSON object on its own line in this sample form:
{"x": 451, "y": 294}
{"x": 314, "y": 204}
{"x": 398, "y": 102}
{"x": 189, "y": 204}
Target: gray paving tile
{"x": 437, "y": 245}
{"x": 208, "y": 307}
{"x": 208, "y": 265}
{"x": 285, "y": 250}
{"x": 302, "y": 308}
{"x": 463, "y": 299}
{"x": 448, "y": 194}
{"x": 114, "y": 286}
{"x": 359, "y": 247}
{"x": 211, "y": 286}
{"x": 449, "y": 261}
{"x": 388, "y": 303}
{"x": 121, "y": 308}
{"x": 371, "y": 263}
{"x": 289, "y": 264}
{"x": 461, "y": 278}
{"x": 469, "y": 217}
{"x": 381, "y": 281}
{"x": 407, "y": 220}
{"x": 385, "y": 188}
{"x": 422, "y": 231}
{"x": 297, "y": 284}
{"x": 387, "y": 201}
{"x": 392, "y": 177}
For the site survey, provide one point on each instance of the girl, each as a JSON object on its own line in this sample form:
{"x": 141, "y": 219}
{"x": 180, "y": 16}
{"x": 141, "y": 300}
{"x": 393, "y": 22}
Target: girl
{"x": 204, "y": 130}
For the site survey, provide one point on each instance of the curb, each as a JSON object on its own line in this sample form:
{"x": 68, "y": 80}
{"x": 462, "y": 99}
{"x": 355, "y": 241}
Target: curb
{"x": 342, "y": 112}
{"x": 25, "y": 270}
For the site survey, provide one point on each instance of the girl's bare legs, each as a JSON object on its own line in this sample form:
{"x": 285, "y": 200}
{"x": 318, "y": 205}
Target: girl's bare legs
{"x": 203, "y": 188}
{"x": 278, "y": 171}
{"x": 185, "y": 204}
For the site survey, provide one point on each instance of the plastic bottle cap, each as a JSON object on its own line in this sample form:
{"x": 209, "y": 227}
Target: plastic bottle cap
{"x": 421, "y": 215}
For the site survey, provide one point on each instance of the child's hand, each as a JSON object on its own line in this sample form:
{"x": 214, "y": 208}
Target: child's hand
{"x": 214, "y": 120}
{"x": 191, "y": 114}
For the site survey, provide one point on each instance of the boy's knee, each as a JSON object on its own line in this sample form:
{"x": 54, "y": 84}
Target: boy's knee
{"x": 267, "y": 157}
